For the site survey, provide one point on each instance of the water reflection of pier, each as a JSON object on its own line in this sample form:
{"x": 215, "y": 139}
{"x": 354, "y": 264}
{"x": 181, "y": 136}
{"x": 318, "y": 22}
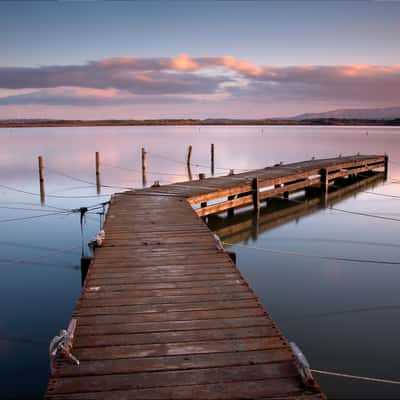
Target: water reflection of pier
{"x": 247, "y": 224}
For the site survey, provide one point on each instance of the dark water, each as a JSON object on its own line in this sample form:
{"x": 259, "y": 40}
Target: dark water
{"x": 344, "y": 316}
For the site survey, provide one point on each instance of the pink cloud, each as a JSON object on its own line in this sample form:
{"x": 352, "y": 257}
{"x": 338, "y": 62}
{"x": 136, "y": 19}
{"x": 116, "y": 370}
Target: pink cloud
{"x": 184, "y": 79}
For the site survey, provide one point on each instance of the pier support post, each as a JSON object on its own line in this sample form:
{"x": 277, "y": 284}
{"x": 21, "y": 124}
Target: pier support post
{"x": 201, "y": 177}
{"x": 324, "y": 186}
{"x": 231, "y": 211}
{"x": 144, "y": 167}
{"x": 256, "y": 194}
{"x": 85, "y": 264}
{"x": 41, "y": 180}
{"x": 212, "y": 159}
{"x": 386, "y": 166}
{"x": 98, "y": 183}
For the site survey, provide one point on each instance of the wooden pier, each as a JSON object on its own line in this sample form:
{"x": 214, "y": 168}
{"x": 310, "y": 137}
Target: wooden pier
{"x": 165, "y": 314}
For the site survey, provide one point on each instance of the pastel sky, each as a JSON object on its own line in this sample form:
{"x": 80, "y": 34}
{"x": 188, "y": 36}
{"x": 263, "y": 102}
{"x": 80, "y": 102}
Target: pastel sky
{"x": 93, "y": 60}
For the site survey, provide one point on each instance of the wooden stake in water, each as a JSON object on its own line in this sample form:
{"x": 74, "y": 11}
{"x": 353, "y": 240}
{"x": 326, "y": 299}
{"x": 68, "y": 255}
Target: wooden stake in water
{"x": 212, "y": 159}
{"x": 41, "y": 180}
{"x": 98, "y": 183}
{"x": 144, "y": 167}
{"x": 189, "y": 155}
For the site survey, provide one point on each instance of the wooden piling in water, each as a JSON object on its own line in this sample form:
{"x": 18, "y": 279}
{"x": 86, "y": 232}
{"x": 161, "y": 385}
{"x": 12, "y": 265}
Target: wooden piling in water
{"x": 41, "y": 180}
{"x": 98, "y": 182}
{"x": 212, "y": 159}
{"x": 144, "y": 167}
{"x": 189, "y": 155}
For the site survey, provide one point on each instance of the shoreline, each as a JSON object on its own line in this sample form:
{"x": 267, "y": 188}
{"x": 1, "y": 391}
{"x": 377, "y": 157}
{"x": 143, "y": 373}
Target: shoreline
{"x": 189, "y": 122}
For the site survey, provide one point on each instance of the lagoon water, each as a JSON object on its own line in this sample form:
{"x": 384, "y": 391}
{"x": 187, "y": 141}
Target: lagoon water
{"x": 344, "y": 316}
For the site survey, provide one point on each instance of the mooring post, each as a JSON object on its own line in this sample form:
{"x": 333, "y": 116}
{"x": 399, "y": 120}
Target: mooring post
{"x": 98, "y": 183}
{"x": 41, "y": 180}
{"x": 144, "y": 167}
{"x": 212, "y": 159}
{"x": 256, "y": 194}
{"x": 201, "y": 177}
{"x": 189, "y": 155}
{"x": 386, "y": 166}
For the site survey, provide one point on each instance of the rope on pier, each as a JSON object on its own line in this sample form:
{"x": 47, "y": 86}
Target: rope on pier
{"x": 362, "y": 378}
{"x": 52, "y": 195}
{"x": 85, "y": 181}
{"x": 295, "y": 253}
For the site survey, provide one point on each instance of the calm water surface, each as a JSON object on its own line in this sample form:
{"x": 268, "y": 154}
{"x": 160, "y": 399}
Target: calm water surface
{"x": 344, "y": 316}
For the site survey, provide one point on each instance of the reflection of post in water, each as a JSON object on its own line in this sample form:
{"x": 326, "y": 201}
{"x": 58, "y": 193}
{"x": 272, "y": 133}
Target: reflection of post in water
{"x": 98, "y": 183}
{"x": 255, "y": 225}
{"x": 249, "y": 224}
{"x": 41, "y": 180}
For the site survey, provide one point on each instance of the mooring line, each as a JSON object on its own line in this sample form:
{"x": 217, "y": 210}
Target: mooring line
{"x": 358, "y": 377}
{"x": 295, "y": 253}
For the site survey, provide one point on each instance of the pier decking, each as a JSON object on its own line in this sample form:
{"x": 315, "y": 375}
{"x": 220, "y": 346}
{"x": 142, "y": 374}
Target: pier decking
{"x": 165, "y": 314}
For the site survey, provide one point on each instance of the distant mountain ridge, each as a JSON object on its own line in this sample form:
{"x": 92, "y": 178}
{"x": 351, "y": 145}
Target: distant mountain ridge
{"x": 386, "y": 113}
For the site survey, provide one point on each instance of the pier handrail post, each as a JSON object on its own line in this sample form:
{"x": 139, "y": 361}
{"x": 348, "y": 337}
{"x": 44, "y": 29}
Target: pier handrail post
{"x": 41, "y": 180}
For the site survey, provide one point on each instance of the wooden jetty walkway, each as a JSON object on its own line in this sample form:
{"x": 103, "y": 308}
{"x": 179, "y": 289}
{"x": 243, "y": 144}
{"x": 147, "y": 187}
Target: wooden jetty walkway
{"x": 165, "y": 314}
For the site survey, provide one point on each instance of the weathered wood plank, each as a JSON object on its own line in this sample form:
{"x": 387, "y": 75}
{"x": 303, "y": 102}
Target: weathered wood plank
{"x": 164, "y": 314}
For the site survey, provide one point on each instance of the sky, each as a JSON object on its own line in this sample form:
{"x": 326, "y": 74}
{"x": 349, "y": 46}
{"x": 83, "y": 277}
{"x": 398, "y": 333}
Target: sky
{"x": 94, "y": 60}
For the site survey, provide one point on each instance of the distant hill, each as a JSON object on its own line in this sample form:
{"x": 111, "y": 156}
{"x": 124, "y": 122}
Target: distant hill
{"x": 388, "y": 113}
